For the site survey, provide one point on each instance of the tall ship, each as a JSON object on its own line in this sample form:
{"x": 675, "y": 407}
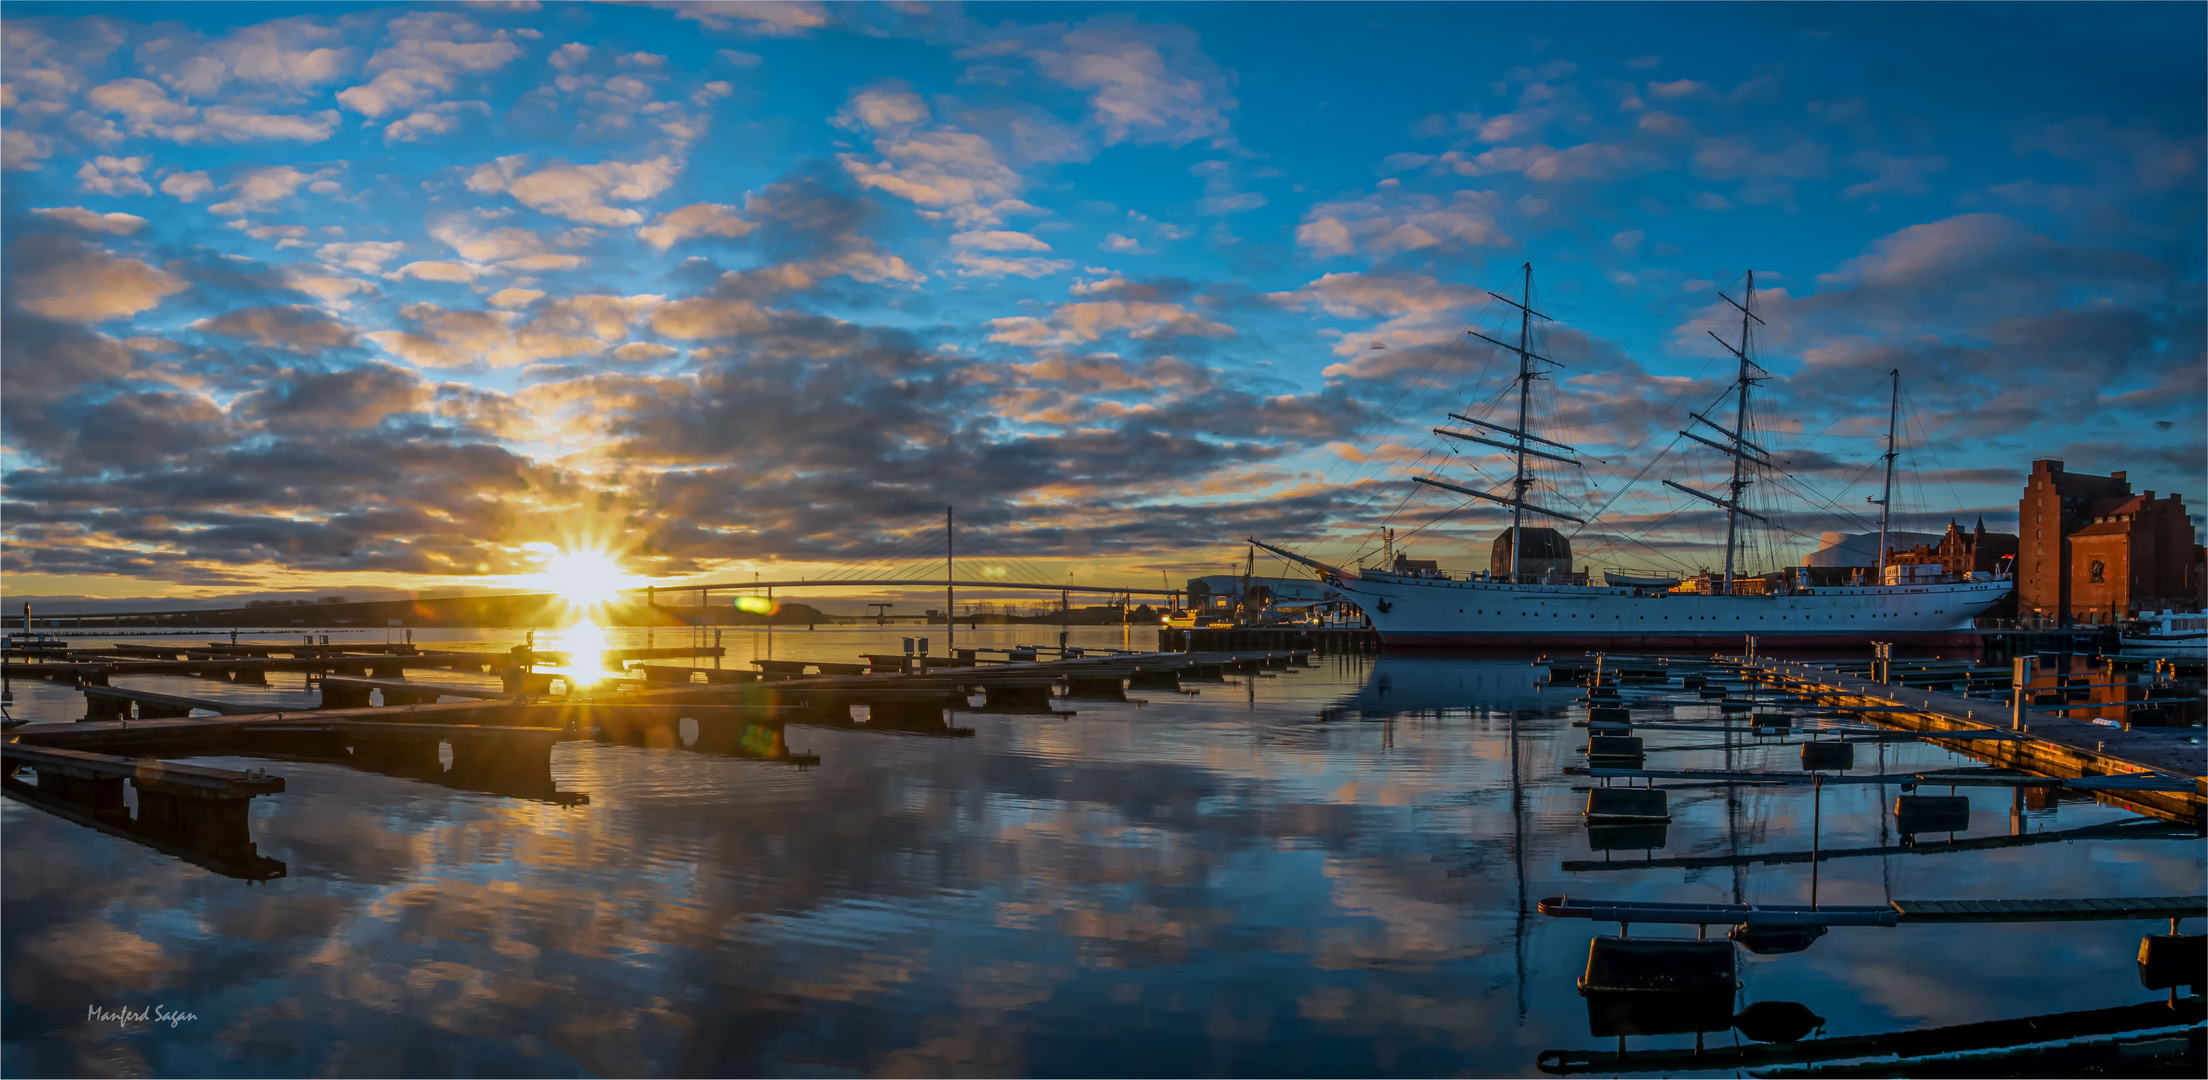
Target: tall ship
{"x": 1531, "y": 597}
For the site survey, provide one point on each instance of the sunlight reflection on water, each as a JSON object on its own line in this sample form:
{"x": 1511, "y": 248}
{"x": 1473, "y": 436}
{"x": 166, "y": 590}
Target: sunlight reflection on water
{"x": 1326, "y": 871}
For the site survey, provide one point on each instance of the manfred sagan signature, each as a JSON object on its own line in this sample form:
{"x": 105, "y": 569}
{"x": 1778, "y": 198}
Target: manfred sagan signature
{"x": 124, "y": 1016}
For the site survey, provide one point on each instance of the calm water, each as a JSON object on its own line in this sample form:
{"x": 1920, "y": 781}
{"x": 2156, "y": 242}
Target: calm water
{"x": 1326, "y": 872}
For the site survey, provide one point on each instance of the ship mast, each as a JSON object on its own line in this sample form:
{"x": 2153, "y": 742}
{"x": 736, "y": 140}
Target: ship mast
{"x": 1521, "y": 480}
{"x": 1740, "y": 425}
{"x": 1737, "y": 445}
{"x": 1886, "y": 497}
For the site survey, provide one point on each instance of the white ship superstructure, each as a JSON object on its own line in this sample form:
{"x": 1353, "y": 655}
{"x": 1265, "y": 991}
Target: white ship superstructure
{"x": 1515, "y": 605}
{"x": 1435, "y": 611}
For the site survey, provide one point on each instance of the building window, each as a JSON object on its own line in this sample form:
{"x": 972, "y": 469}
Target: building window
{"x": 2095, "y": 572}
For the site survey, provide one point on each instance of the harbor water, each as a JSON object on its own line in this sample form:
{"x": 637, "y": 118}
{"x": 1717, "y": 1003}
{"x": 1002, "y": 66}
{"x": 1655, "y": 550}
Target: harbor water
{"x": 1321, "y": 871}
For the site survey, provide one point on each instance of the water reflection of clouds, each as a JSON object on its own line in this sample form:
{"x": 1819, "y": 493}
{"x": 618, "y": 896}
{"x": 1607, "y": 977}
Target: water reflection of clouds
{"x": 1192, "y": 887}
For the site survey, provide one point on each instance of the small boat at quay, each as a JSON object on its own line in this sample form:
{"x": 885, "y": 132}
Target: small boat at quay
{"x": 2168, "y": 635}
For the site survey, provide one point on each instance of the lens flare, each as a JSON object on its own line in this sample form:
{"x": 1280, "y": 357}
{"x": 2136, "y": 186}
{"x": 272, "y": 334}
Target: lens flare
{"x": 585, "y": 646}
{"x": 757, "y": 605}
{"x": 585, "y": 579}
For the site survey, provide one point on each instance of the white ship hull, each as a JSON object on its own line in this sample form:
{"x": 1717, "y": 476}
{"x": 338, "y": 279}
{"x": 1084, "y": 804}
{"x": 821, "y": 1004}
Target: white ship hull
{"x": 1416, "y": 611}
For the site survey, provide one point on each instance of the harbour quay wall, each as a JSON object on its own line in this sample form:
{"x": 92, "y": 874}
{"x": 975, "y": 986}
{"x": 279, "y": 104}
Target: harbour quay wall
{"x": 1286, "y": 639}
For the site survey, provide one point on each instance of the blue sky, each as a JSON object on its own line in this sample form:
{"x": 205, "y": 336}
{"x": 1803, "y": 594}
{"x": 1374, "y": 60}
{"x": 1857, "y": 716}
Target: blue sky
{"x": 375, "y": 295}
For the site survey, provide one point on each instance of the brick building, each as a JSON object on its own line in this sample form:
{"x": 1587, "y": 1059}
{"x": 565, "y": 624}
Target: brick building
{"x": 1960, "y": 552}
{"x": 2092, "y": 551}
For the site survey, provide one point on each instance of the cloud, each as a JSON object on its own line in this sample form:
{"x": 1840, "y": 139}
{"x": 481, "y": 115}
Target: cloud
{"x": 1586, "y": 161}
{"x": 950, "y": 172}
{"x": 695, "y": 220}
{"x": 1124, "y": 245}
{"x": 241, "y": 125}
{"x": 448, "y": 338}
{"x": 1220, "y": 196}
{"x": 365, "y": 256}
{"x": 1417, "y": 312}
{"x": 762, "y": 18}
{"x": 1147, "y": 84}
{"x": 115, "y": 224}
{"x": 1391, "y": 221}
{"x": 1682, "y": 88}
{"x": 514, "y": 298}
{"x": 428, "y": 52}
{"x": 972, "y": 264}
{"x": 1139, "y": 316}
{"x": 889, "y": 107}
{"x": 1736, "y": 158}
{"x": 442, "y": 118}
{"x": 508, "y": 248}
{"x": 709, "y": 317}
{"x": 296, "y": 328}
{"x": 348, "y": 399}
{"x": 24, "y": 151}
{"x": 147, "y": 109}
{"x": 637, "y": 352}
{"x": 1893, "y": 176}
{"x": 333, "y": 290}
{"x": 446, "y": 270}
{"x": 186, "y": 186}
{"x": 604, "y": 317}
{"x": 579, "y": 192}
{"x": 113, "y": 176}
{"x": 263, "y": 189}
{"x": 584, "y": 325}
{"x": 2138, "y": 155}
{"x": 64, "y": 279}
{"x": 296, "y": 54}
{"x": 998, "y": 240}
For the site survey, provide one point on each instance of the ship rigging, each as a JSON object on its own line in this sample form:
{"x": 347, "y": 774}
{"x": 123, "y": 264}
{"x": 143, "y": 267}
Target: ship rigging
{"x": 1418, "y": 604}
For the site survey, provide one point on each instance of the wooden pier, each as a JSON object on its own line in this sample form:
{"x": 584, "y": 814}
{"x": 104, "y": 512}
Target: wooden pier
{"x": 2052, "y": 745}
{"x": 498, "y": 741}
{"x": 1630, "y": 912}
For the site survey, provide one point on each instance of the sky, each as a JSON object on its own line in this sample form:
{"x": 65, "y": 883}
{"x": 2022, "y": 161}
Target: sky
{"x": 302, "y": 297}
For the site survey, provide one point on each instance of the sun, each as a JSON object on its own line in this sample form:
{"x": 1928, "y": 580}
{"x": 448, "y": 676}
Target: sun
{"x": 585, "y": 578}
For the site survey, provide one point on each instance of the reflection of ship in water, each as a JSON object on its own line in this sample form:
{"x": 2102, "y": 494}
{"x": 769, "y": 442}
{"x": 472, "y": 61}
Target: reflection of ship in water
{"x": 1412, "y": 684}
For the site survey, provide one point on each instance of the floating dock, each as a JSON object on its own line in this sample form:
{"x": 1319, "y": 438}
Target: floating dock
{"x": 2051, "y": 745}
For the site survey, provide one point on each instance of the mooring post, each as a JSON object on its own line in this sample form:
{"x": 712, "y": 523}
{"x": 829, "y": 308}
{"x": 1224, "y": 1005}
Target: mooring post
{"x": 1816, "y": 829}
{"x": 2020, "y": 676}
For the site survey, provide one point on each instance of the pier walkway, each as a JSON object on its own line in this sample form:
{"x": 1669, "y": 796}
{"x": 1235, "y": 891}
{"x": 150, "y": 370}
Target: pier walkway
{"x": 2053, "y": 745}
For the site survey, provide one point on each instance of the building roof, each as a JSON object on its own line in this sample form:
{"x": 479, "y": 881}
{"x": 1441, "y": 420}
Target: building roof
{"x": 2103, "y": 528}
{"x": 2100, "y": 508}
